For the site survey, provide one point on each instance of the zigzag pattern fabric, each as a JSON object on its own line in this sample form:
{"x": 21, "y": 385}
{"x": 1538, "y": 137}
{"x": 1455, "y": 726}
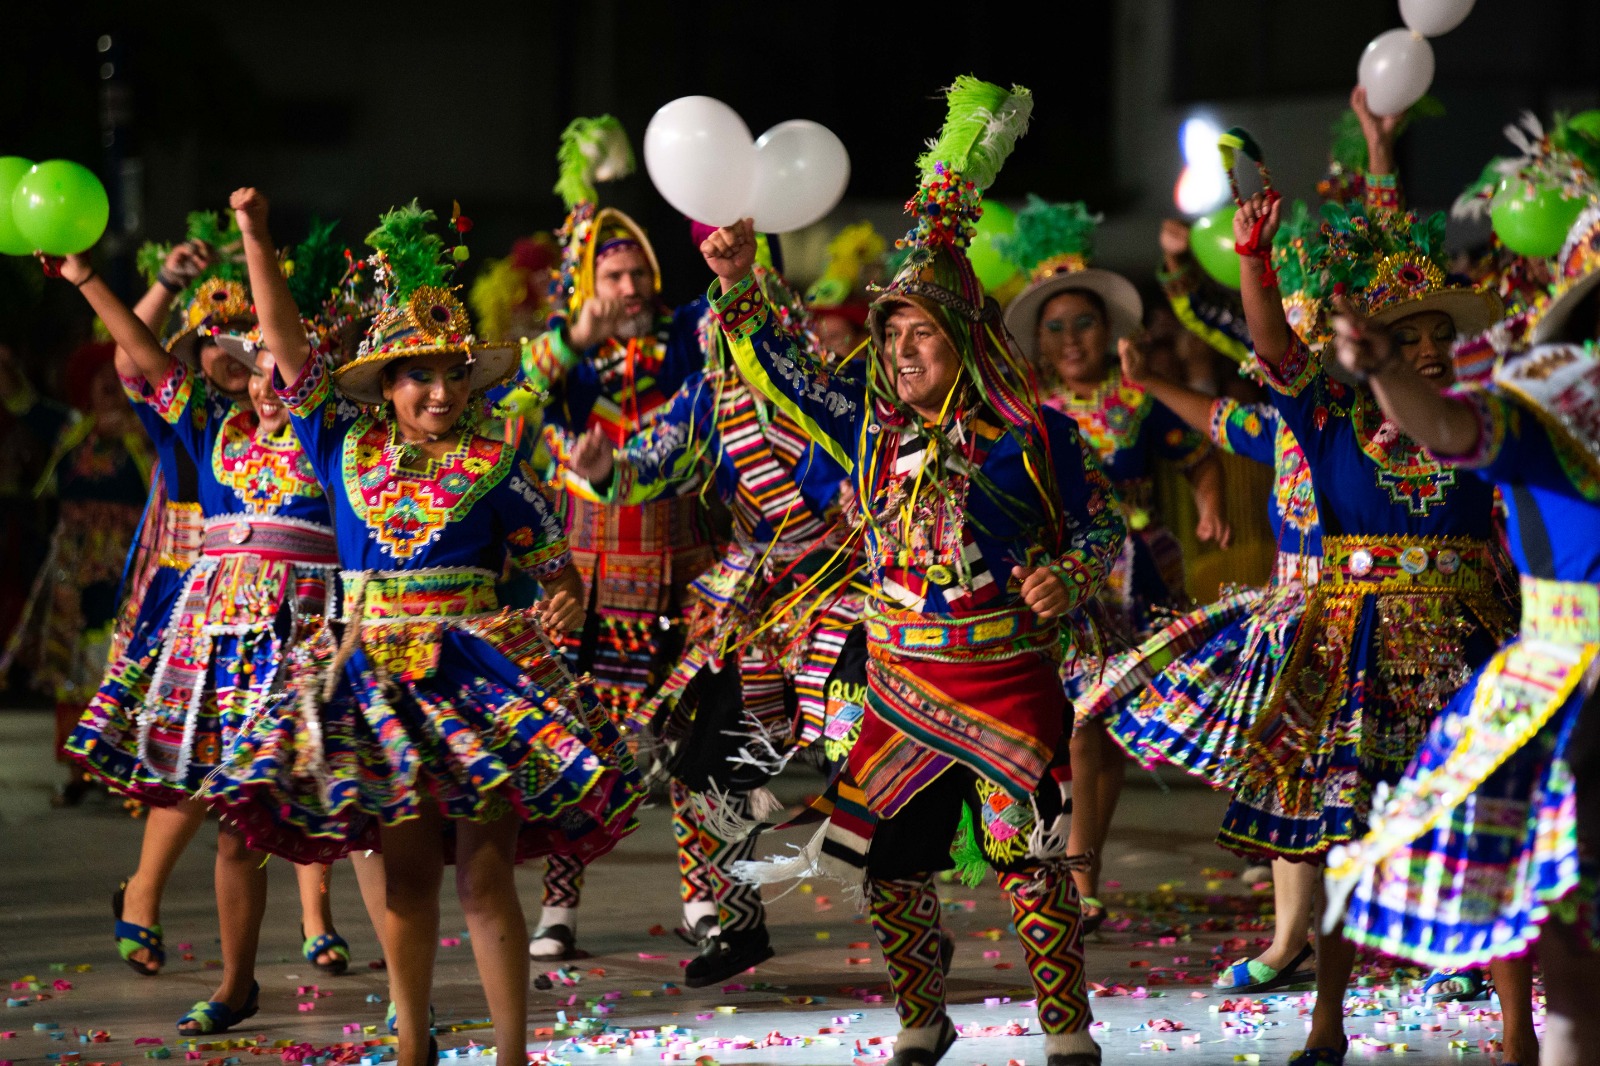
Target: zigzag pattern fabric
{"x": 905, "y": 917}
{"x": 1047, "y": 919}
{"x": 739, "y": 906}
{"x": 563, "y": 881}
{"x": 694, "y": 877}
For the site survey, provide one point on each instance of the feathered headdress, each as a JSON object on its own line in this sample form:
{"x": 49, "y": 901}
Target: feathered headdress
{"x": 1565, "y": 158}
{"x": 511, "y": 296}
{"x": 1053, "y": 245}
{"x": 419, "y": 312}
{"x": 217, "y": 302}
{"x": 1296, "y": 253}
{"x": 1394, "y": 268}
{"x": 982, "y": 124}
{"x": 592, "y": 150}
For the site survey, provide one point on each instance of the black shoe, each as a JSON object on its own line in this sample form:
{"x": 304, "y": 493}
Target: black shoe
{"x": 433, "y": 1051}
{"x": 916, "y": 1056}
{"x": 562, "y": 935}
{"x": 728, "y": 956}
{"x": 947, "y": 952}
{"x": 702, "y": 931}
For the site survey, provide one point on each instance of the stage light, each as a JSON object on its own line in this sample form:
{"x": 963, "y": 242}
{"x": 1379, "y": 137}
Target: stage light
{"x": 1202, "y": 185}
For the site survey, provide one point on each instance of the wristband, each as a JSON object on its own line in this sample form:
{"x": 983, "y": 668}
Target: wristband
{"x": 168, "y": 282}
{"x": 85, "y": 281}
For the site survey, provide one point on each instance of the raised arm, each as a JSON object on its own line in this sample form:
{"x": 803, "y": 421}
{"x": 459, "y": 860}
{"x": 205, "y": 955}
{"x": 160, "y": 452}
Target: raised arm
{"x": 144, "y": 353}
{"x": 1382, "y": 178}
{"x": 1191, "y": 406}
{"x": 1444, "y": 425}
{"x": 828, "y": 408}
{"x": 1253, "y": 226}
{"x": 280, "y": 318}
{"x": 183, "y": 264}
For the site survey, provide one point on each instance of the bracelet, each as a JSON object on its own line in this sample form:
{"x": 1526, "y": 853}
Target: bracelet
{"x": 85, "y": 281}
{"x": 168, "y": 282}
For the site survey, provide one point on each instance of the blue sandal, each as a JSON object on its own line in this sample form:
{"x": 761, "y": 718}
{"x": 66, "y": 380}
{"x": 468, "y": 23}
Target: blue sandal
{"x": 1320, "y": 1056}
{"x": 131, "y": 938}
{"x": 327, "y": 943}
{"x": 1252, "y": 975}
{"x": 1476, "y": 989}
{"x": 215, "y": 1016}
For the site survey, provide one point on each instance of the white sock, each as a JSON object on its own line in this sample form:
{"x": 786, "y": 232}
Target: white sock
{"x": 1069, "y": 1044}
{"x": 693, "y": 912}
{"x": 546, "y": 946}
{"x": 925, "y": 1037}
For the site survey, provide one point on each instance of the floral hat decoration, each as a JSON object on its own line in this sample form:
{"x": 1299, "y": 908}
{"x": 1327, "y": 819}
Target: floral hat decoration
{"x": 1392, "y": 268}
{"x": 419, "y": 312}
{"x": 592, "y": 150}
{"x": 1054, "y": 244}
{"x": 216, "y": 304}
{"x": 1296, "y": 248}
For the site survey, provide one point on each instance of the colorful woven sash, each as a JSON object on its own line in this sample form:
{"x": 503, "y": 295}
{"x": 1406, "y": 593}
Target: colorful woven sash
{"x": 283, "y": 540}
{"x": 766, "y": 453}
{"x": 390, "y": 596}
{"x": 986, "y": 636}
{"x": 1395, "y": 563}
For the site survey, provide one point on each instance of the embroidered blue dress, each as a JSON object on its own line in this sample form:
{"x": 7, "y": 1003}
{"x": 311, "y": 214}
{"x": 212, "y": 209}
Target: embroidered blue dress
{"x": 188, "y": 681}
{"x": 1190, "y": 694}
{"x": 1491, "y": 831}
{"x": 1409, "y": 600}
{"x": 428, "y": 688}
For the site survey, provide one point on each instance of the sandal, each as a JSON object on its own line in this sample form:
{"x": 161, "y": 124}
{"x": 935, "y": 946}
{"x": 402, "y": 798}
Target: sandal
{"x": 1320, "y": 1056}
{"x": 327, "y": 944}
{"x": 131, "y": 938}
{"x": 1253, "y": 975}
{"x": 392, "y": 1022}
{"x": 1476, "y": 989}
{"x": 562, "y": 935}
{"x": 215, "y": 1016}
{"x": 1091, "y": 915}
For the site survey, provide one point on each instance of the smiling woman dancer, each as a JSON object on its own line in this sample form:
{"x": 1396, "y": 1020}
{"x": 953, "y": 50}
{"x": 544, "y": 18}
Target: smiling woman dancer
{"x": 435, "y": 725}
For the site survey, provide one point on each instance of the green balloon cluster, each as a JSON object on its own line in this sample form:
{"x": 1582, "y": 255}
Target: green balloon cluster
{"x": 992, "y": 268}
{"x": 1533, "y": 225}
{"x": 1211, "y": 241}
{"x": 12, "y": 168}
{"x": 58, "y": 207}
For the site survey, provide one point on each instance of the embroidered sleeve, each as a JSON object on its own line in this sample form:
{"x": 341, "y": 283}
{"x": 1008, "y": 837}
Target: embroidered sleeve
{"x": 673, "y": 454}
{"x": 171, "y": 396}
{"x": 1205, "y": 312}
{"x": 828, "y": 408}
{"x": 535, "y": 543}
{"x": 1496, "y": 417}
{"x": 1243, "y": 429}
{"x": 320, "y": 417}
{"x": 308, "y": 392}
{"x": 1299, "y": 368}
{"x": 1094, "y": 531}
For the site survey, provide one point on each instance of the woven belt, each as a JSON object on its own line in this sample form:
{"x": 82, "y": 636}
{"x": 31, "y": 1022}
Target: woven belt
{"x": 1409, "y": 562}
{"x": 1561, "y": 612}
{"x": 286, "y": 540}
{"x": 986, "y": 636}
{"x": 417, "y": 595}
{"x": 182, "y": 534}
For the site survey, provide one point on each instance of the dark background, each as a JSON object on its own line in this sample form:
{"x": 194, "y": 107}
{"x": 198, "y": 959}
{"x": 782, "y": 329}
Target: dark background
{"x": 344, "y": 109}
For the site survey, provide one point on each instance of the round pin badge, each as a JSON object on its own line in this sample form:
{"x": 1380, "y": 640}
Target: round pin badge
{"x": 1414, "y": 560}
{"x": 239, "y": 532}
{"x": 1361, "y": 562}
{"x": 1448, "y": 561}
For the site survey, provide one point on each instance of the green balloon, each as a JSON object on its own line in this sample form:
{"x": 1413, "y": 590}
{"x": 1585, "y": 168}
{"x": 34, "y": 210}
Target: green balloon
{"x": 1535, "y": 226}
{"x": 992, "y": 268}
{"x": 1211, "y": 241}
{"x": 12, "y": 167}
{"x": 1587, "y": 123}
{"x": 60, "y": 207}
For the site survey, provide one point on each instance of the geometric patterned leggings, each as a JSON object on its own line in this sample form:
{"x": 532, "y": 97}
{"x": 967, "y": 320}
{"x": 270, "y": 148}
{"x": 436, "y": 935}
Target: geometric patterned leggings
{"x": 703, "y": 862}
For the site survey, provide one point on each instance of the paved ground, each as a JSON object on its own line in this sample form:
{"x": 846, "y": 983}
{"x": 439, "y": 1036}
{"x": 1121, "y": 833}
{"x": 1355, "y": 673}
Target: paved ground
{"x": 1178, "y": 900}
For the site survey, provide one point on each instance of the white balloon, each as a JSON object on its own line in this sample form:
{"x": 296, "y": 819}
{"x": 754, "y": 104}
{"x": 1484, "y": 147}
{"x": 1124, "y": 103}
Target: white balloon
{"x": 1396, "y": 69}
{"x": 701, "y": 159}
{"x": 802, "y": 169}
{"x": 1434, "y": 17}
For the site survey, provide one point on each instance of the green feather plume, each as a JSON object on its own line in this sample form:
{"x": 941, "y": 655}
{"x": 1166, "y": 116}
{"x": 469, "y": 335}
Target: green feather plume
{"x": 1045, "y": 230}
{"x": 318, "y": 265}
{"x": 592, "y": 150}
{"x": 224, "y": 240}
{"x": 981, "y": 126}
{"x": 1354, "y": 244}
{"x": 149, "y": 260}
{"x": 1295, "y": 246}
{"x": 413, "y": 257}
{"x": 970, "y": 865}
